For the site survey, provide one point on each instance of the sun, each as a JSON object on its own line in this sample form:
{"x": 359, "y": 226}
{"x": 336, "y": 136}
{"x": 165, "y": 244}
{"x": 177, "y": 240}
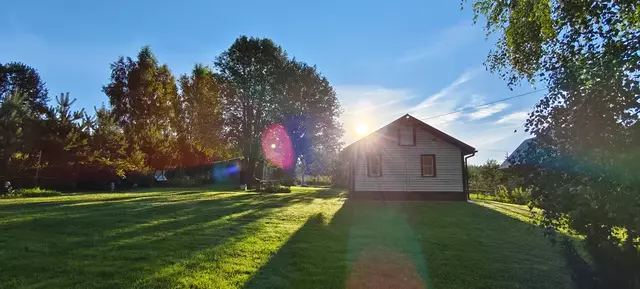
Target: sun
{"x": 362, "y": 129}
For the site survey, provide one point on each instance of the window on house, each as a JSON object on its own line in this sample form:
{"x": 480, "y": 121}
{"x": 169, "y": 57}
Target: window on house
{"x": 428, "y": 165}
{"x": 374, "y": 168}
{"x": 406, "y": 136}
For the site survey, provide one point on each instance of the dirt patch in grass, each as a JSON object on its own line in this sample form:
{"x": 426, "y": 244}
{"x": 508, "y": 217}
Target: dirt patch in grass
{"x": 383, "y": 268}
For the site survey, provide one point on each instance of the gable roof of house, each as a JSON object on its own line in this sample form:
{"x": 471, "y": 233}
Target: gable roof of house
{"x": 466, "y": 149}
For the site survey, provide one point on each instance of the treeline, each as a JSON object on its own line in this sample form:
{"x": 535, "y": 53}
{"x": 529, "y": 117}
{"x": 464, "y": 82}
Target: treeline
{"x": 154, "y": 120}
{"x": 488, "y": 181}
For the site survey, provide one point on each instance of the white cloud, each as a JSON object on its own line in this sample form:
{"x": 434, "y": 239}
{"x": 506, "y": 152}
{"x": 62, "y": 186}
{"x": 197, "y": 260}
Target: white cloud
{"x": 518, "y": 117}
{"x": 446, "y": 41}
{"x": 444, "y": 121}
{"x": 429, "y": 101}
{"x": 488, "y": 110}
{"x": 360, "y": 99}
{"x": 476, "y": 100}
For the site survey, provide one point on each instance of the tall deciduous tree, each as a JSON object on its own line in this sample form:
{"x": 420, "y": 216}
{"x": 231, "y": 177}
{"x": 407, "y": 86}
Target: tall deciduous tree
{"x": 13, "y": 115}
{"x": 143, "y": 96}
{"x": 249, "y": 72}
{"x": 200, "y": 115}
{"x": 23, "y": 102}
{"x": 109, "y": 146}
{"x": 583, "y": 168}
{"x": 262, "y": 86}
{"x": 311, "y": 111}
{"x": 18, "y": 78}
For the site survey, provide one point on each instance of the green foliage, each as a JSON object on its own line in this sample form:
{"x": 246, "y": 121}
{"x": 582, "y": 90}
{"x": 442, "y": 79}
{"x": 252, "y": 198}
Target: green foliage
{"x": 274, "y": 187}
{"x": 181, "y": 181}
{"x": 151, "y": 125}
{"x": 486, "y": 178}
{"x": 583, "y": 168}
{"x": 260, "y": 86}
{"x": 143, "y": 95}
{"x": 517, "y": 195}
{"x": 36, "y": 192}
{"x": 30, "y": 193}
{"x": 318, "y": 181}
{"x": 64, "y": 143}
{"x": 19, "y": 79}
{"x": 199, "y": 120}
{"x": 14, "y": 115}
{"x": 340, "y": 171}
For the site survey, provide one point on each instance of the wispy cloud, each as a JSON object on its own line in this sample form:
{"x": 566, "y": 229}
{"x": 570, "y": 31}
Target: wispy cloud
{"x": 476, "y": 100}
{"x": 488, "y": 110}
{"x": 446, "y": 41}
{"x": 518, "y": 117}
{"x": 361, "y": 99}
{"x": 429, "y": 101}
{"x": 445, "y": 120}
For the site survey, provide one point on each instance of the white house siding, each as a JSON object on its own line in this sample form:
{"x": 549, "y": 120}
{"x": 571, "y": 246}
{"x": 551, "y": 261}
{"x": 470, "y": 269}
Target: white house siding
{"x": 401, "y": 164}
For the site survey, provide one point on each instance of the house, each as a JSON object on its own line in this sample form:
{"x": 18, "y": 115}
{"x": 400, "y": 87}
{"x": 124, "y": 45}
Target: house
{"x": 516, "y": 156}
{"x": 408, "y": 160}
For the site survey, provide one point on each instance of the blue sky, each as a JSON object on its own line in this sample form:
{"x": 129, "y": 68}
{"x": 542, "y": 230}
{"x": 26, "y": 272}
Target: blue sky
{"x": 384, "y": 58}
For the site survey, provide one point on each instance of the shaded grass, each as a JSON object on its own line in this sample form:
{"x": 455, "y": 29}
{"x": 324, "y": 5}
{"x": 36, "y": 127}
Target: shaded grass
{"x": 309, "y": 238}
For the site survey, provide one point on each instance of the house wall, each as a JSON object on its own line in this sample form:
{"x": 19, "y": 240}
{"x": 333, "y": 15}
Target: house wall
{"x": 401, "y": 171}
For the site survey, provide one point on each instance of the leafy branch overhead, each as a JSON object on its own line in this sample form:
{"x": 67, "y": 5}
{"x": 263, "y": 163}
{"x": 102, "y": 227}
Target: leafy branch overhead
{"x": 582, "y": 167}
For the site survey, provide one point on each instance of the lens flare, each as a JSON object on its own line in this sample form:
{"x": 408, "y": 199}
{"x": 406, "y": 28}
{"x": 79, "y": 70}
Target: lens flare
{"x": 277, "y": 147}
{"x": 224, "y": 171}
{"x": 362, "y": 129}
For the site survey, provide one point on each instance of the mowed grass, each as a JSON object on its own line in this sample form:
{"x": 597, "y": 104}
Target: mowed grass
{"x": 310, "y": 238}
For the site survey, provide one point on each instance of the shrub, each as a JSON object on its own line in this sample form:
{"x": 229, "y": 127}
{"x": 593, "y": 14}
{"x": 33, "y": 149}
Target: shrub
{"x": 273, "y": 187}
{"x": 135, "y": 179}
{"x": 36, "y": 192}
{"x": 318, "y": 181}
{"x": 181, "y": 181}
{"x": 517, "y": 195}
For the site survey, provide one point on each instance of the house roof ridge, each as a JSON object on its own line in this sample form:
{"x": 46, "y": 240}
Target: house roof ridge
{"x": 450, "y": 139}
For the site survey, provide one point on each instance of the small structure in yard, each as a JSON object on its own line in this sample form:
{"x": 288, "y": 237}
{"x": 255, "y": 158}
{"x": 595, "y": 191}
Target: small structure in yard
{"x": 408, "y": 160}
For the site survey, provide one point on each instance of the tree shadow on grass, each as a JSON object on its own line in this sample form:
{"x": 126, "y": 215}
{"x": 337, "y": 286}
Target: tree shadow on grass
{"x": 123, "y": 241}
{"x": 314, "y": 256}
{"x": 472, "y": 246}
{"x": 362, "y": 246}
{"x": 414, "y": 245}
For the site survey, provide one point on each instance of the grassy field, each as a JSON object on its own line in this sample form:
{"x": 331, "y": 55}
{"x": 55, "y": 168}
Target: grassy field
{"x": 310, "y": 238}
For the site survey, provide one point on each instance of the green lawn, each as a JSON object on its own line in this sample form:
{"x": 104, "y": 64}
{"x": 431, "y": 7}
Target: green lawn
{"x": 309, "y": 238}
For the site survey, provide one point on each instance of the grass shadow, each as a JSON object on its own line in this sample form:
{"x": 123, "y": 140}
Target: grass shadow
{"x": 364, "y": 245}
{"x": 472, "y": 246}
{"x": 414, "y": 245}
{"x": 142, "y": 235}
{"x": 313, "y": 257}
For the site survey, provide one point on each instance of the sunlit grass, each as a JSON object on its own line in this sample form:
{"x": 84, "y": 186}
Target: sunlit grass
{"x": 309, "y": 238}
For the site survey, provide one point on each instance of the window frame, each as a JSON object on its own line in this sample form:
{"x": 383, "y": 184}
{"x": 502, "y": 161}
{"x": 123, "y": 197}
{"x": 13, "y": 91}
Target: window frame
{"x": 413, "y": 131}
{"x": 369, "y": 165}
{"x": 433, "y": 165}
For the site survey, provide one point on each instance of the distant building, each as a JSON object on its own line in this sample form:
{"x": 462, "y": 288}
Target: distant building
{"x": 513, "y": 158}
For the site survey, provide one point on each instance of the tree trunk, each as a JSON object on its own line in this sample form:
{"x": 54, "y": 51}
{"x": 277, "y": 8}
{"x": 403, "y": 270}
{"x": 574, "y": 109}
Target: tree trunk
{"x": 249, "y": 176}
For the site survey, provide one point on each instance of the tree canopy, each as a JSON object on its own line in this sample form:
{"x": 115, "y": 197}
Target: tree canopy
{"x": 582, "y": 168}
{"x": 262, "y": 86}
{"x": 155, "y": 121}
